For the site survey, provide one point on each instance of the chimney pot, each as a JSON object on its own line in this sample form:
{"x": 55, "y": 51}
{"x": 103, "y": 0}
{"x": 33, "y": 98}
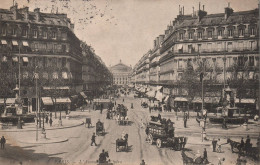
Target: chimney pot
{"x": 183, "y": 10}
{"x": 199, "y": 5}
{"x": 203, "y": 7}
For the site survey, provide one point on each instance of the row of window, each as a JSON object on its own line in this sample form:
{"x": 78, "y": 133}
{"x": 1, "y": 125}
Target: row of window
{"x": 33, "y": 61}
{"x": 241, "y": 33}
{"x": 35, "y": 33}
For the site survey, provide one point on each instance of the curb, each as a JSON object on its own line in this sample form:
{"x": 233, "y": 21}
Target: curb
{"x": 54, "y": 128}
{"x": 45, "y": 142}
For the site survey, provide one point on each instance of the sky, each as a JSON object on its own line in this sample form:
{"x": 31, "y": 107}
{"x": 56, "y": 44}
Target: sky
{"x": 125, "y": 29}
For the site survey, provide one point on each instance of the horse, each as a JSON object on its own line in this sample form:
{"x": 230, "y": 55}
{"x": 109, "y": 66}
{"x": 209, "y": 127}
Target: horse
{"x": 234, "y": 144}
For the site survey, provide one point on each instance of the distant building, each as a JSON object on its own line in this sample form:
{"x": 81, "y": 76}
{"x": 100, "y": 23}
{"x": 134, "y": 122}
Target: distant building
{"x": 121, "y": 74}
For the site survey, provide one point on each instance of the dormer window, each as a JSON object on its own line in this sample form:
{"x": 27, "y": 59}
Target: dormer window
{"x": 53, "y": 35}
{"x": 199, "y": 35}
{"x": 209, "y": 34}
{"x": 24, "y": 32}
{"x": 45, "y": 34}
{"x": 35, "y": 33}
{"x": 230, "y": 33}
{"x": 241, "y": 32}
{"x": 190, "y": 35}
{"x": 3, "y": 31}
{"x": 252, "y": 31}
{"x": 14, "y": 32}
{"x": 220, "y": 32}
{"x": 181, "y": 36}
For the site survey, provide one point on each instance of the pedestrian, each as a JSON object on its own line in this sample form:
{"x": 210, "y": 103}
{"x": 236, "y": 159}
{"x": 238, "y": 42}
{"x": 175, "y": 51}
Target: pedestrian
{"x": 247, "y": 145}
{"x": 214, "y": 144}
{"x": 50, "y": 122}
{"x": 185, "y": 121}
{"x": 3, "y": 141}
{"x": 46, "y": 119}
{"x": 219, "y": 146}
{"x": 242, "y": 145}
{"x": 205, "y": 156}
{"x": 101, "y": 108}
{"x": 93, "y": 139}
{"x": 142, "y": 163}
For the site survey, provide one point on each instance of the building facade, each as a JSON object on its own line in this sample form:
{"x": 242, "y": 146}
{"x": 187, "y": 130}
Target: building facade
{"x": 121, "y": 74}
{"x": 41, "y": 46}
{"x": 227, "y": 44}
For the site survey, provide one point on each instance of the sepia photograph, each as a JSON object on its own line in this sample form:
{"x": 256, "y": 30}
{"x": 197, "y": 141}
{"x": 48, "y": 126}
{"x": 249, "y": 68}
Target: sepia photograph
{"x": 129, "y": 82}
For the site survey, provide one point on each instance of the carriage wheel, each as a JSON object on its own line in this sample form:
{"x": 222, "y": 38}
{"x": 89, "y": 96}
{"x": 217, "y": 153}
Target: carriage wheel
{"x": 150, "y": 139}
{"x": 159, "y": 143}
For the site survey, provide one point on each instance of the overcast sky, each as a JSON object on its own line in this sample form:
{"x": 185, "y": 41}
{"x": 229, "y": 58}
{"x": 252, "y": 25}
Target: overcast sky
{"x": 125, "y": 29}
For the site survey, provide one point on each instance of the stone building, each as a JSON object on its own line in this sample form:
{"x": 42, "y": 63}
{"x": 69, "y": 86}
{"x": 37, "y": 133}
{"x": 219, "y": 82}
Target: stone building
{"x": 121, "y": 74}
{"x": 227, "y": 43}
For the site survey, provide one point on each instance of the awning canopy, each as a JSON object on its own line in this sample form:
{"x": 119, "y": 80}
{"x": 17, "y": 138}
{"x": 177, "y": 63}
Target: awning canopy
{"x": 15, "y": 59}
{"x": 179, "y": 46}
{"x": 25, "y": 59}
{"x": 63, "y": 100}
{"x": 25, "y": 43}
{"x": 15, "y": 43}
{"x": 150, "y": 93}
{"x": 61, "y": 87}
{"x": 10, "y": 100}
{"x": 180, "y": 99}
{"x": 3, "y": 42}
{"x": 47, "y": 101}
{"x": 159, "y": 96}
{"x": 2, "y": 101}
{"x": 83, "y": 95}
{"x": 102, "y": 100}
{"x": 206, "y": 100}
{"x": 245, "y": 101}
{"x": 166, "y": 98}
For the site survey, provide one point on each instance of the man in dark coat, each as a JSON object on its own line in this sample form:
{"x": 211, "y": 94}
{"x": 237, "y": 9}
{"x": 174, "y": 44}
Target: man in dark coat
{"x": 3, "y": 141}
{"x": 185, "y": 120}
{"x": 214, "y": 144}
{"x": 205, "y": 156}
{"x": 93, "y": 139}
{"x": 247, "y": 145}
{"x": 242, "y": 145}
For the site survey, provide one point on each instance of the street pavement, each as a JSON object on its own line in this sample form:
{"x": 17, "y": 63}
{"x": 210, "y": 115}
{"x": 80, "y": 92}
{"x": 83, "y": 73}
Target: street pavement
{"x": 77, "y": 150}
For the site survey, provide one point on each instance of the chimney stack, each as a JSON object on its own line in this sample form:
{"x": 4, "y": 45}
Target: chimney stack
{"x": 14, "y": 10}
{"x": 183, "y": 10}
{"x": 228, "y": 11}
{"x": 201, "y": 13}
{"x": 37, "y": 14}
{"x": 193, "y": 11}
{"x": 26, "y": 13}
{"x": 203, "y": 7}
{"x": 199, "y": 5}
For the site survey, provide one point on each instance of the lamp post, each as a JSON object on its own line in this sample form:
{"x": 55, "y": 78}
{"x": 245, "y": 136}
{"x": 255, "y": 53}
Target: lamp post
{"x": 36, "y": 93}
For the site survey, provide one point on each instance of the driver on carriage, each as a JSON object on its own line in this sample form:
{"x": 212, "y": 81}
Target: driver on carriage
{"x": 99, "y": 122}
{"x": 103, "y": 157}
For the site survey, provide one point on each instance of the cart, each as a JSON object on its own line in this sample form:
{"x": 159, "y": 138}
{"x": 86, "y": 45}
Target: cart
{"x": 100, "y": 130}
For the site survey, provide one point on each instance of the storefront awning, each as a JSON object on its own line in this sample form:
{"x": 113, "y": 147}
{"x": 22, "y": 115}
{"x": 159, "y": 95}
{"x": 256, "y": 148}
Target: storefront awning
{"x": 2, "y": 101}
{"x": 179, "y": 46}
{"x": 25, "y": 43}
{"x": 63, "y": 100}
{"x": 150, "y": 93}
{"x": 83, "y": 95}
{"x": 206, "y": 100}
{"x": 10, "y": 100}
{"x": 166, "y": 98}
{"x": 159, "y": 96}
{"x": 3, "y": 42}
{"x": 15, "y": 43}
{"x": 61, "y": 87}
{"x": 15, "y": 59}
{"x": 180, "y": 99}
{"x": 245, "y": 101}
{"x": 47, "y": 101}
{"x": 25, "y": 59}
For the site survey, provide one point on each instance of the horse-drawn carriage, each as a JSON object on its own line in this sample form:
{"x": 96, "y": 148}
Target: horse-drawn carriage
{"x": 249, "y": 150}
{"x": 100, "y": 130}
{"x": 163, "y": 136}
{"x": 121, "y": 112}
{"x": 122, "y": 143}
{"x": 102, "y": 160}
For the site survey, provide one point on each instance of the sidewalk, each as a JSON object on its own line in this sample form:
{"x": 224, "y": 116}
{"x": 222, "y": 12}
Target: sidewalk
{"x": 66, "y": 123}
